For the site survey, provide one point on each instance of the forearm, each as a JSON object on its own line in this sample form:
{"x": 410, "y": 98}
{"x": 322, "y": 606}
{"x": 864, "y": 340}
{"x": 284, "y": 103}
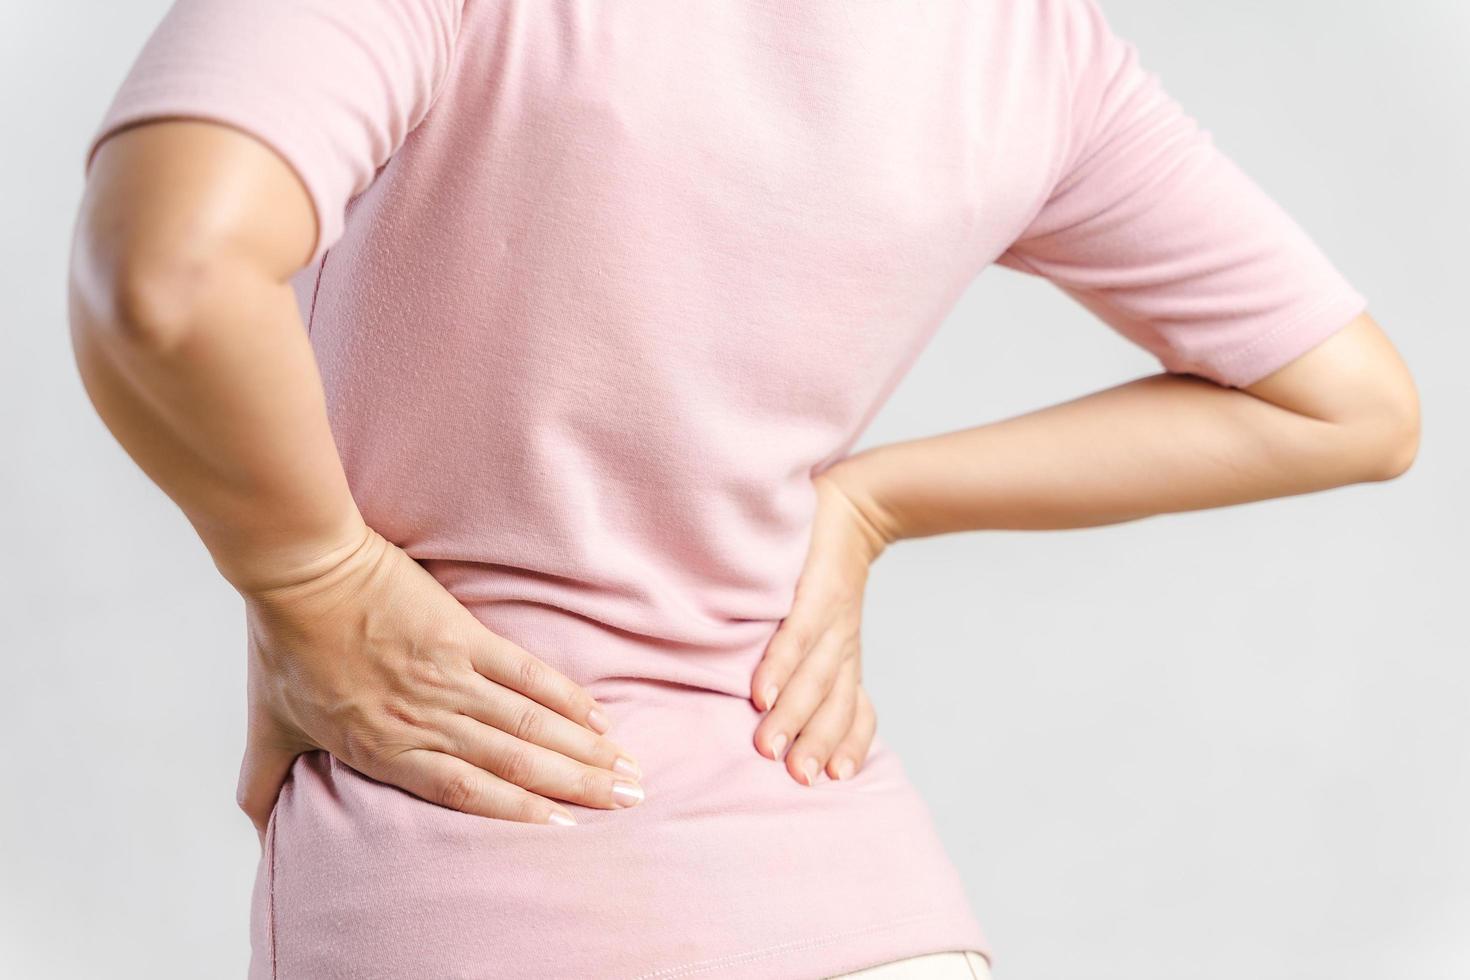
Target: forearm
{"x": 189, "y": 343}
{"x": 1159, "y": 444}
{"x": 229, "y": 420}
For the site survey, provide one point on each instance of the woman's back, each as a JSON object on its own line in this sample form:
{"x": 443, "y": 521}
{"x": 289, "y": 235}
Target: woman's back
{"x": 630, "y": 275}
{"x": 639, "y": 272}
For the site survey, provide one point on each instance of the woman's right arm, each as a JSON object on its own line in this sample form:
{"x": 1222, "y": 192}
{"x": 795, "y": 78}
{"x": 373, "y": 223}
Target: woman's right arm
{"x": 191, "y": 346}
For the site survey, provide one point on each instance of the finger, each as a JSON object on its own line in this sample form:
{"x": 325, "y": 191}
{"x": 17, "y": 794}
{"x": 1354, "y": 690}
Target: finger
{"x": 806, "y": 689}
{"x": 263, "y": 772}
{"x": 828, "y": 724}
{"x": 785, "y": 651}
{"x": 539, "y": 769}
{"x": 852, "y": 751}
{"x": 509, "y": 665}
{"x": 491, "y": 704}
{"x": 454, "y": 783}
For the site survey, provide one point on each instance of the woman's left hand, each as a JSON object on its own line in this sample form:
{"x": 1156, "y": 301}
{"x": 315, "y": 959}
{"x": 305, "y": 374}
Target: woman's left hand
{"x": 809, "y": 680}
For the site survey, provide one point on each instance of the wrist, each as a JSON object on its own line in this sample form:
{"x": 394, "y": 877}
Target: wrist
{"x": 850, "y": 476}
{"x": 259, "y": 566}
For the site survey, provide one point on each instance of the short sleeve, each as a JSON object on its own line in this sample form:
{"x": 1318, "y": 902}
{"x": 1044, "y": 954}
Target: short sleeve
{"x": 1156, "y": 231}
{"x": 334, "y": 88}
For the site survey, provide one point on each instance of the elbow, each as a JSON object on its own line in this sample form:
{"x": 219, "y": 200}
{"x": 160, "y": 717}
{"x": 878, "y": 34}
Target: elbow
{"x": 1399, "y": 454}
{"x": 1392, "y": 442}
{"x": 130, "y": 283}
{"x": 158, "y": 307}
{"x": 1362, "y": 397}
{"x": 149, "y": 304}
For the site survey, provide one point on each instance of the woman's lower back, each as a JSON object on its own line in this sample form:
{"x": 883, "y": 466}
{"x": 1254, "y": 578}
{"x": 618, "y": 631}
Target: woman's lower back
{"x": 728, "y": 868}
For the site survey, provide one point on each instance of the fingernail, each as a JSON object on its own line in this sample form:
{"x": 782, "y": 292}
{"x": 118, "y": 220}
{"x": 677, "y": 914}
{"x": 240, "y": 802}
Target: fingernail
{"x": 597, "y": 720}
{"x": 769, "y": 695}
{"x": 561, "y": 819}
{"x": 809, "y": 767}
{"x": 627, "y": 794}
{"x": 777, "y": 744}
{"x": 844, "y": 769}
{"x": 627, "y": 767}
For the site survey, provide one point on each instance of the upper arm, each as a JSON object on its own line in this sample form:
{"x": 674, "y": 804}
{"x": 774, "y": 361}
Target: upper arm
{"x": 170, "y": 201}
{"x": 1154, "y": 229}
{"x": 308, "y": 100}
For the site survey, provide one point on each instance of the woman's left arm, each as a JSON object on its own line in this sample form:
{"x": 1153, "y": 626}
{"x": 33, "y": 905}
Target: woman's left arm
{"x": 1344, "y": 412}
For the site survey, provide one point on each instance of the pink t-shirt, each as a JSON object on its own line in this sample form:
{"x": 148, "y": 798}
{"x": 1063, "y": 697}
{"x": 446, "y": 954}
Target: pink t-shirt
{"x": 598, "y": 287}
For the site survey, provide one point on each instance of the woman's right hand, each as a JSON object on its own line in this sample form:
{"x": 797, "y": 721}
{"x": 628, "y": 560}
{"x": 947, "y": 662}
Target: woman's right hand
{"x": 375, "y": 662}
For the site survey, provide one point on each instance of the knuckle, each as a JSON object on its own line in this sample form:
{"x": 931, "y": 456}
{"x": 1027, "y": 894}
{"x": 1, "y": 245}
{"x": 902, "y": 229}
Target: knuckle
{"x": 527, "y": 724}
{"x": 517, "y": 766}
{"x": 403, "y": 711}
{"x": 594, "y": 785}
{"x": 531, "y": 673}
{"x": 459, "y": 793}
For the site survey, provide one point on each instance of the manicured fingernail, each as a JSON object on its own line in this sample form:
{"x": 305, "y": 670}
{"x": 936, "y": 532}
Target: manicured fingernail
{"x": 597, "y": 720}
{"x": 844, "y": 769}
{"x": 627, "y": 767}
{"x": 561, "y": 819}
{"x": 777, "y": 744}
{"x": 769, "y": 695}
{"x": 627, "y": 794}
{"x": 809, "y": 767}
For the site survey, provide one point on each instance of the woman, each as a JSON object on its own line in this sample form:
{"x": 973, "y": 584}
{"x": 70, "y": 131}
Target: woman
{"x": 508, "y": 357}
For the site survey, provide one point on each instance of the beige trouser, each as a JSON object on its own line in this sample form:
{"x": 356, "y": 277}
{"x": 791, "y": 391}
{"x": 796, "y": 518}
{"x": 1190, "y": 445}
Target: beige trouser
{"x": 949, "y": 965}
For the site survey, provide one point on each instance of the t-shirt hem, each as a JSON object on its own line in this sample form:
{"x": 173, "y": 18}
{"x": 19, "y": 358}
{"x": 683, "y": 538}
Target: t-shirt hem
{"x": 1278, "y": 347}
{"x": 842, "y": 952}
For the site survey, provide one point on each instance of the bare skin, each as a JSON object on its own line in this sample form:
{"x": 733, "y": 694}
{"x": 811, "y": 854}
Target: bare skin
{"x": 191, "y": 347}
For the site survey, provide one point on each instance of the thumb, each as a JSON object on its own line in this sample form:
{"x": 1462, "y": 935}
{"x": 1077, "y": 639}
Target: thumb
{"x": 263, "y": 772}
